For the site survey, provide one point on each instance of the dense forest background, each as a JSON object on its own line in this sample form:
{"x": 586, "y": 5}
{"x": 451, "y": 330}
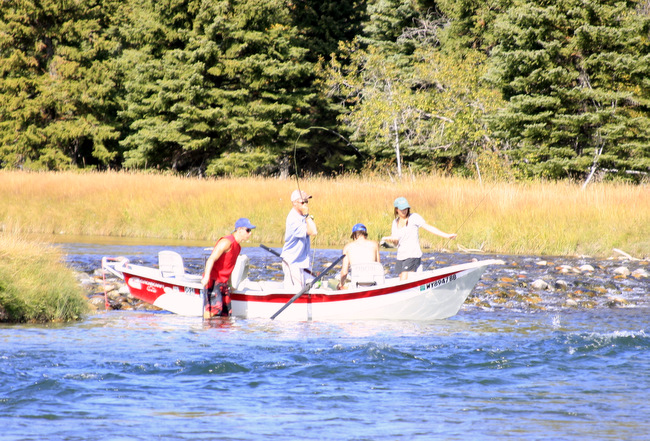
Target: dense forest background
{"x": 514, "y": 89}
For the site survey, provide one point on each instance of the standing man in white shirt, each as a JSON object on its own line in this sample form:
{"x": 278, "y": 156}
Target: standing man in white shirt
{"x": 300, "y": 227}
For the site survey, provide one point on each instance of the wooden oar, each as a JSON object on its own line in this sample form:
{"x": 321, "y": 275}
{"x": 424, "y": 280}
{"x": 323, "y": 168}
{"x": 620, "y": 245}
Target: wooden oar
{"x": 278, "y": 254}
{"x": 307, "y": 287}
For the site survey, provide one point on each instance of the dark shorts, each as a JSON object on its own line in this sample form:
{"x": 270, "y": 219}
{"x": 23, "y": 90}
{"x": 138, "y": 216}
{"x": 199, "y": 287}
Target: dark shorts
{"x": 216, "y": 300}
{"x": 407, "y": 265}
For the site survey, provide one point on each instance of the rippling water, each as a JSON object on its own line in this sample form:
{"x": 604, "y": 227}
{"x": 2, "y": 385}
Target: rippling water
{"x": 127, "y": 375}
{"x": 498, "y": 374}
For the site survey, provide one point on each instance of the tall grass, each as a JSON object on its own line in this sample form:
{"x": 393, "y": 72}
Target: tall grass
{"x": 541, "y": 218}
{"x": 35, "y": 285}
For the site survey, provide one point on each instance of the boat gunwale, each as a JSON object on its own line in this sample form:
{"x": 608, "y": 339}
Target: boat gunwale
{"x": 316, "y": 295}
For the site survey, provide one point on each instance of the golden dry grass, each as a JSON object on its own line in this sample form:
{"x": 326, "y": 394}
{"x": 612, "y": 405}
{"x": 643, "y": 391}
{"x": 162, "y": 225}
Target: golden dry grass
{"x": 541, "y": 218}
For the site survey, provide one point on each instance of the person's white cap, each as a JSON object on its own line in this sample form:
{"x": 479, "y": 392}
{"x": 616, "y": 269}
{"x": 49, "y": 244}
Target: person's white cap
{"x": 299, "y": 195}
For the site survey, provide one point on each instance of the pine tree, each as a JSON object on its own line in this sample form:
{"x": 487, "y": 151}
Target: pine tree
{"x": 322, "y": 24}
{"x": 225, "y": 82}
{"x": 469, "y": 23}
{"x": 165, "y": 91}
{"x": 575, "y": 77}
{"x": 57, "y": 84}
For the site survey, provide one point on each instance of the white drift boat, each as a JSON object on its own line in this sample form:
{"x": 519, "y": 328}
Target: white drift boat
{"x": 426, "y": 295}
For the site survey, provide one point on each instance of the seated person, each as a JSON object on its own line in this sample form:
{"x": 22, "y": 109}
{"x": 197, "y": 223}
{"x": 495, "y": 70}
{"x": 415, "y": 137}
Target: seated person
{"x": 360, "y": 250}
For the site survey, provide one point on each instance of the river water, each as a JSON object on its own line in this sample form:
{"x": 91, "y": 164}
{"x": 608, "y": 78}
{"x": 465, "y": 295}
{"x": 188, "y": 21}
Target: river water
{"x": 492, "y": 372}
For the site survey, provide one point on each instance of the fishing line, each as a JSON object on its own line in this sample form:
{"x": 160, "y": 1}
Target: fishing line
{"x": 473, "y": 211}
{"x": 467, "y": 218}
{"x": 295, "y": 165}
{"x": 295, "y": 147}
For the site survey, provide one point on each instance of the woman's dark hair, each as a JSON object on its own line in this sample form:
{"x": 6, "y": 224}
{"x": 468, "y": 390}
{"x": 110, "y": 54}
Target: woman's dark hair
{"x": 408, "y": 212}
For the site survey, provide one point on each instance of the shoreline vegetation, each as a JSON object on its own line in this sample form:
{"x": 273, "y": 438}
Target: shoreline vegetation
{"x": 535, "y": 218}
{"x": 529, "y": 218}
{"x": 35, "y": 284}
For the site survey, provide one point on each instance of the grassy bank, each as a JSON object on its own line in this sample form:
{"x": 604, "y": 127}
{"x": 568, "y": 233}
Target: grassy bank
{"x": 35, "y": 286}
{"x": 522, "y": 218}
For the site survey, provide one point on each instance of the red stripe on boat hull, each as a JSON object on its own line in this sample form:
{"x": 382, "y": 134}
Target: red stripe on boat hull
{"x": 336, "y": 296}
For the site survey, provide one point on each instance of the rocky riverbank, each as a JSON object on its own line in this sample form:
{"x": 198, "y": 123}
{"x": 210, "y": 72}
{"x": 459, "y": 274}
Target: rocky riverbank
{"x": 522, "y": 283}
{"x": 541, "y": 284}
{"x": 107, "y": 292}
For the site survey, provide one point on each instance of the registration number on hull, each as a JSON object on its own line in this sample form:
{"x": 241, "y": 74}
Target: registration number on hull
{"x": 436, "y": 283}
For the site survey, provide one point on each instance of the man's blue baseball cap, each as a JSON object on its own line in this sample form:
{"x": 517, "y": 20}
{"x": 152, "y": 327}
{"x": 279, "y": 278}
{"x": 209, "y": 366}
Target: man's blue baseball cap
{"x": 359, "y": 227}
{"x": 243, "y": 222}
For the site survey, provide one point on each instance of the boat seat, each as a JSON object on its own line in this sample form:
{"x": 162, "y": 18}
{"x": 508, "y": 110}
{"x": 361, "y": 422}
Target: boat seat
{"x": 170, "y": 264}
{"x": 367, "y": 274}
{"x": 240, "y": 271}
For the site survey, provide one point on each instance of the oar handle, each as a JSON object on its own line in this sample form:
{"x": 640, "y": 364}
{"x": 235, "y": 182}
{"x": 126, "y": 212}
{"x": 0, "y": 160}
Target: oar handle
{"x": 269, "y": 250}
{"x": 264, "y": 247}
{"x": 307, "y": 287}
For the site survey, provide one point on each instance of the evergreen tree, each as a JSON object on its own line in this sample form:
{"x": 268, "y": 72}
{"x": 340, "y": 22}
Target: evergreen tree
{"x": 469, "y": 23}
{"x": 165, "y": 90}
{"x": 220, "y": 82}
{"x": 57, "y": 83}
{"x": 387, "y": 20}
{"x": 262, "y": 82}
{"x": 575, "y": 77}
{"x": 322, "y": 24}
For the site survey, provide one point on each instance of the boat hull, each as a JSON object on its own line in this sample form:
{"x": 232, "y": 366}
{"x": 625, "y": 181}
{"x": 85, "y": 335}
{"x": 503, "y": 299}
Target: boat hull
{"x": 427, "y": 295}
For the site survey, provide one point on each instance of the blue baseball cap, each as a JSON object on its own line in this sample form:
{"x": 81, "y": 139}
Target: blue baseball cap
{"x": 359, "y": 227}
{"x": 401, "y": 203}
{"x": 243, "y": 222}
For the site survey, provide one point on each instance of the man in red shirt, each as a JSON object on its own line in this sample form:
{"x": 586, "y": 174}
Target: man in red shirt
{"x": 218, "y": 268}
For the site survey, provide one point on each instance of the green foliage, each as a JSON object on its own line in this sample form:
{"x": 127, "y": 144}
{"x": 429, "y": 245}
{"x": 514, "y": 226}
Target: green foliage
{"x": 429, "y": 114}
{"x": 35, "y": 286}
{"x": 575, "y": 77}
{"x": 322, "y": 24}
{"x": 242, "y": 164}
{"x": 326, "y": 86}
{"x": 165, "y": 94}
{"x": 470, "y": 24}
{"x": 387, "y": 19}
{"x": 236, "y": 80}
{"x": 56, "y": 83}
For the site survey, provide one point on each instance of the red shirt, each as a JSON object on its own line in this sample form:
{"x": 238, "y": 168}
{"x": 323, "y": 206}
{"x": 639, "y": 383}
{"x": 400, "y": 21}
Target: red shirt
{"x": 224, "y": 265}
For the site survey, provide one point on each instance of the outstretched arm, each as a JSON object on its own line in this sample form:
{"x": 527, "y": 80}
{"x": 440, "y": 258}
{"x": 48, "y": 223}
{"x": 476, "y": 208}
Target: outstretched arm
{"x": 437, "y": 232}
{"x": 389, "y": 241}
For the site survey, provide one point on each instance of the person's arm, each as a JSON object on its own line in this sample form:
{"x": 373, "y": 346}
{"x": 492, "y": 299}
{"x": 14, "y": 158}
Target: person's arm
{"x": 377, "y": 256}
{"x": 311, "y": 226}
{"x": 345, "y": 265}
{"x": 437, "y": 232}
{"x": 389, "y": 241}
{"x": 392, "y": 240}
{"x": 223, "y": 246}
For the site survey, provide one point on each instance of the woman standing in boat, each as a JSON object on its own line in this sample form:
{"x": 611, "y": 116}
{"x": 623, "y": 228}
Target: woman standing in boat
{"x": 218, "y": 268}
{"x": 405, "y": 235}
